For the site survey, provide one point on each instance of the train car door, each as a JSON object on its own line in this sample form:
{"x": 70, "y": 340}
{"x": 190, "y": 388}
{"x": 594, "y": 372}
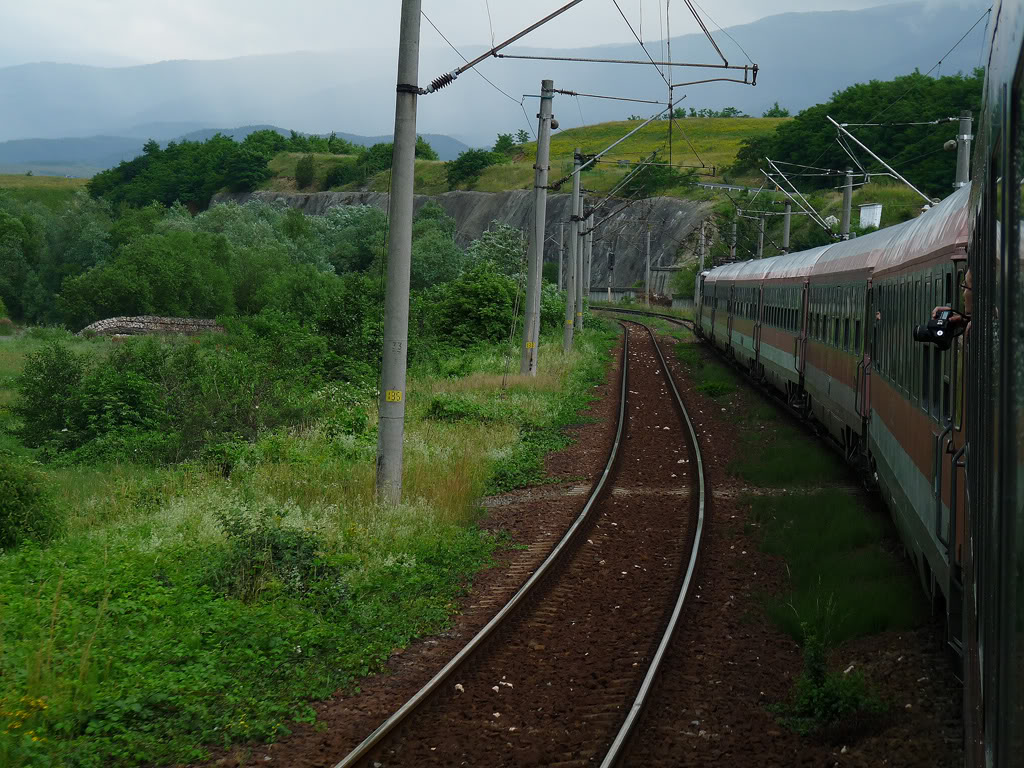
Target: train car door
{"x": 800, "y": 351}
{"x": 942, "y": 400}
{"x": 731, "y": 308}
{"x": 758, "y": 309}
{"x": 865, "y": 321}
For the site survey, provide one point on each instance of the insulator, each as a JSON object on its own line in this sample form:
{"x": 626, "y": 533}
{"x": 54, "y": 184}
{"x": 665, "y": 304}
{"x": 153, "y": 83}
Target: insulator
{"x": 440, "y": 82}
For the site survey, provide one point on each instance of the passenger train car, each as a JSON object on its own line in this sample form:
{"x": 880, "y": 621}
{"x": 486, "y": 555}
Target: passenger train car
{"x": 940, "y": 431}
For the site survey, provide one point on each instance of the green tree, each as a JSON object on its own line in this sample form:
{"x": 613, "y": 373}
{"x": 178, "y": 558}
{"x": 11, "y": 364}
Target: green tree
{"x": 267, "y": 142}
{"x": 179, "y": 274}
{"x": 776, "y": 111}
{"x": 504, "y": 246}
{"x": 505, "y": 145}
{"x": 476, "y": 307}
{"x": 424, "y": 151}
{"x": 468, "y": 166}
{"x": 914, "y": 150}
{"x": 247, "y": 169}
{"x": 305, "y": 171}
{"x": 522, "y": 137}
{"x": 377, "y": 158}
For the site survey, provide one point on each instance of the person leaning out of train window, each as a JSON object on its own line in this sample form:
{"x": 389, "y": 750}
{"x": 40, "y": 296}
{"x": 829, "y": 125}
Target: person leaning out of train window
{"x": 960, "y": 322}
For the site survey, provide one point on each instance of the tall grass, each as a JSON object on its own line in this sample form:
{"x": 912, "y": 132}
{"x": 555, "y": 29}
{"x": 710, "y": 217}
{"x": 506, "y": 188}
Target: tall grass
{"x": 835, "y": 550}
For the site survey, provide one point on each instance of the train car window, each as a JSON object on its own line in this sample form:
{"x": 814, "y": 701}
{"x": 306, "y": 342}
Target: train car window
{"x": 857, "y": 337}
{"x": 915, "y": 358}
{"x": 926, "y": 359}
{"x": 904, "y": 331}
{"x": 846, "y": 334}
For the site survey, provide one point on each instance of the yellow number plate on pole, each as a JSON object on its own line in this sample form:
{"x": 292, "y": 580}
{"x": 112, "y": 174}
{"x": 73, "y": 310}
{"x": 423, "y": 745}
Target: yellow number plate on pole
{"x": 393, "y": 396}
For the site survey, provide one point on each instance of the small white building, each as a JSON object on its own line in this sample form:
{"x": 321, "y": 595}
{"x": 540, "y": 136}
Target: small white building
{"x": 870, "y": 215}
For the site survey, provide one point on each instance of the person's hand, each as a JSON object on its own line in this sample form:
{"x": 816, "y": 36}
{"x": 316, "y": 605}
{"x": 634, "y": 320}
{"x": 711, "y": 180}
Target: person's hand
{"x": 955, "y": 318}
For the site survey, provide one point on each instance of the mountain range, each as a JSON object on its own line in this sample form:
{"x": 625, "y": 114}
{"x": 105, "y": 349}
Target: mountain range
{"x": 802, "y": 57}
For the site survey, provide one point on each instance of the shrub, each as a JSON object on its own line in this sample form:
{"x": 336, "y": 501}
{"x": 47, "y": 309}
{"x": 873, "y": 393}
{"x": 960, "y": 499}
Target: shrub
{"x": 305, "y": 171}
{"x": 27, "y": 510}
{"x": 6, "y": 327}
{"x": 342, "y": 173}
{"x": 264, "y": 553}
{"x": 48, "y": 389}
{"x": 468, "y": 166}
{"x": 377, "y": 158}
{"x": 822, "y": 700}
{"x": 478, "y": 306}
{"x": 3, "y": 310}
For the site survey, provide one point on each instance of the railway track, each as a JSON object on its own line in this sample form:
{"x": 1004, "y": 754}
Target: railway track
{"x": 561, "y": 673}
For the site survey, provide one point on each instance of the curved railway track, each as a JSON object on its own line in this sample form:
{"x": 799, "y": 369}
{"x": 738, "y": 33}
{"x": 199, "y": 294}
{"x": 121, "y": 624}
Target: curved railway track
{"x": 560, "y": 675}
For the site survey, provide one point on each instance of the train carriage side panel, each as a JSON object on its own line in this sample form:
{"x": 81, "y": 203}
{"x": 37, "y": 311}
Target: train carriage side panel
{"x": 781, "y": 339}
{"x": 914, "y": 425}
{"x": 838, "y": 368}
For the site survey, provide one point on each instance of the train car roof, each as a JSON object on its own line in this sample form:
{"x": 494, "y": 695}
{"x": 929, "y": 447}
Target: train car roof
{"x": 941, "y": 230}
{"x": 788, "y": 265}
{"x": 859, "y": 254}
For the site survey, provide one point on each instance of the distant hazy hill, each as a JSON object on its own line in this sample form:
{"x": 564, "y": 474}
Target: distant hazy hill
{"x": 86, "y": 156}
{"x": 803, "y": 57}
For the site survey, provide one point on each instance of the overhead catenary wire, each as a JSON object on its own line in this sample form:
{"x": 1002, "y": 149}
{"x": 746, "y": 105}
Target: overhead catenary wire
{"x": 610, "y": 98}
{"x": 707, "y": 33}
{"x": 490, "y": 23}
{"x": 723, "y": 31}
{"x": 937, "y": 64}
{"x": 445, "y": 80}
{"x": 913, "y": 87}
{"x": 481, "y": 74}
{"x": 639, "y": 40}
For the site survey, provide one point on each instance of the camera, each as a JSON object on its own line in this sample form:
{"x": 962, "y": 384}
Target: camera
{"x": 938, "y": 331}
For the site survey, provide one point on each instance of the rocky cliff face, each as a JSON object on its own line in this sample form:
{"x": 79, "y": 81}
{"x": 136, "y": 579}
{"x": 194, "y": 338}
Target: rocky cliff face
{"x": 671, "y": 223}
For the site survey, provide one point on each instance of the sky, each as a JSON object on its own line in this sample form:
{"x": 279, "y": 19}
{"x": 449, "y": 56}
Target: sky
{"x": 122, "y": 32}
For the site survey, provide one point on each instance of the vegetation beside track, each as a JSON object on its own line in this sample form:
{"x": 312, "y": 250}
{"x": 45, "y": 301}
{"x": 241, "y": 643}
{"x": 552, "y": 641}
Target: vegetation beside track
{"x": 845, "y": 576}
{"x": 204, "y": 603}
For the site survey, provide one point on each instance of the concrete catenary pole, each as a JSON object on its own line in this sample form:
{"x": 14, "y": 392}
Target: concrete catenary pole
{"x": 963, "y": 150}
{"x": 570, "y": 280}
{"x": 732, "y": 242}
{"x": 647, "y": 279}
{"x": 760, "y": 237}
{"x": 561, "y": 254}
{"x": 785, "y": 226}
{"x": 396, "y": 309}
{"x": 611, "y": 267}
{"x": 580, "y": 255}
{"x": 531, "y": 328}
{"x": 844, "y": 226}
{"x": 589, "y": 250}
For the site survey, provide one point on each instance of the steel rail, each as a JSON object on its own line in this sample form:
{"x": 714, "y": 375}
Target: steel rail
{"x": 671, "y": 318}
{"x": 618, "y": 746}
{"x": 385, "y": 728}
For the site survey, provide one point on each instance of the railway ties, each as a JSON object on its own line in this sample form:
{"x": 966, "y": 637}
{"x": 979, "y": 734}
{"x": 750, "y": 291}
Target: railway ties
{"x": 555, "y": 676}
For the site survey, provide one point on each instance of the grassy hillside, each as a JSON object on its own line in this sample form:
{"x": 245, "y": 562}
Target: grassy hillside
{"x": 714, "y": 140}
{"x": 50, "y": 191}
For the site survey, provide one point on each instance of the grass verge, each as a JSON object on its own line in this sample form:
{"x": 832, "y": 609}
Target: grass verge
{"x": 844, "y": 578}
{"x": 184, "y": 609}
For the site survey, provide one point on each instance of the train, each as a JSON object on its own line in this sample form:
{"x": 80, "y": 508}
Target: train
{"x": 938, "y": 427}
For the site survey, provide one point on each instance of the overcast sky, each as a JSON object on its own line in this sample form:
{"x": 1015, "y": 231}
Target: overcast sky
{"x": 117, "y": 32}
